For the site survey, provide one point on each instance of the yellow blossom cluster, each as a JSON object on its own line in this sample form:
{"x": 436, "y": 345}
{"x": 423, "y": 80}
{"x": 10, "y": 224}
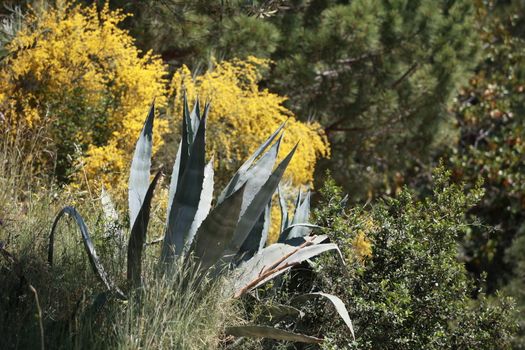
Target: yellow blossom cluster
{"x": 242, "y": 116}
{"x": 77, "y": 80}
{"x": 361, "y": 245}
{"x": 79, "y": 90}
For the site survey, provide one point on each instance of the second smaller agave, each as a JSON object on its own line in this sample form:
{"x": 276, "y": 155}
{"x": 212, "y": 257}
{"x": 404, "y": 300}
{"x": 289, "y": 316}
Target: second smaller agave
{"x": 231, "y": 235}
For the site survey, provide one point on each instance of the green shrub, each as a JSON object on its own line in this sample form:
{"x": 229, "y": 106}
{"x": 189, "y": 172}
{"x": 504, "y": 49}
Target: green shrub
{"x": 412, "y": 292}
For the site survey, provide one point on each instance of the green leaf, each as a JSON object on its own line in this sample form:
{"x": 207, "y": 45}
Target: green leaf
{"x": 94, "y": 260}
{"x": 271, "y": 333}
{"x": 338, "y": 305}
{"x": 187, "y": 198}
{"x": 217, "y": 230}
{"x": 137, "y": 236}
{"x": 140, "y": 167}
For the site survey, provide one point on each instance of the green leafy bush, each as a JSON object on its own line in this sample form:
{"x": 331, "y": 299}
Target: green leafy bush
{"x": 412, "y": 292}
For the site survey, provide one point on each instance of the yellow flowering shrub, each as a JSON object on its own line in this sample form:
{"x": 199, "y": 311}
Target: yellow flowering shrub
{"x": 242, "y": 116}
{"x": 77, "y": 80}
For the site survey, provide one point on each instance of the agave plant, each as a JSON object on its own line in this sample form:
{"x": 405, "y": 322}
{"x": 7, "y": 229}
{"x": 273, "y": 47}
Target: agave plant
{"x": 230, "y": 236}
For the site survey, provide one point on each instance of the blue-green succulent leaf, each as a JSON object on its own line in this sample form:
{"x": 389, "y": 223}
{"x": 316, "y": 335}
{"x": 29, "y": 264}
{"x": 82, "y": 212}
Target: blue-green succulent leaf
{"x": 186, "y": 200}
{"x": 140, "y": 168}
{"x": 239, "y": 178}
{"x": 94, "y": 260}
{"x": 217, "y": 230}
{"x": 256, "y": 207}
{"x": 138, "y": 234}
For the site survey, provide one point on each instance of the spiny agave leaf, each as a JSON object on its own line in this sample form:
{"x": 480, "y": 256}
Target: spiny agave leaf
{"x": 338, "y": 305}
{"x": 311, "y": 251}
{"x": 298, "y": 201}
{"x": 257, "y": 175}
{"x": 204, "y": 203}
{"x": 177, "y": 166}
{"x": 300, "y": 240}
{"x": 286, "y": 232}
{"x": 217, "y": 230}
{"x": 94, "y": 260}
{"x": 256, "y": 207}
{"x": 192, "y": 119}
{"x": 185, "y": 144}
{"x": 187, "y": 118}
{"x": 187, "y": 197}
{"x": 284, "y": 210}
{"x": 301, "y": 216}
{"x": 302, "y": 209}
{"x": 298, "y": 257}
{"x": 137, "y": 236}
{"x": 257, "y": 236}
{"x": 174, "y": 180}
{"x": 271, "y": 333}
{"x": 140, "y": 168}
{"x": 234, "y": 182}
{"x": 206, "y": 110}
{"x": 266, "y": 226}
{"x": 196, "y": 112}
{"x": 195, "y": 118}
{"x": 249, "y": 270}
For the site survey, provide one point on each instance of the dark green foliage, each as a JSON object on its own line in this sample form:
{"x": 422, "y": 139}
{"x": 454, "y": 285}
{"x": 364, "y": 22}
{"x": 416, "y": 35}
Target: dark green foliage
{"x": 515, "y": 258}
{"x": 491, "y": 115}
{"x": 190, "y": 31}
{"x": 378, "y": 75}
{"x": 412, "y": 292}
